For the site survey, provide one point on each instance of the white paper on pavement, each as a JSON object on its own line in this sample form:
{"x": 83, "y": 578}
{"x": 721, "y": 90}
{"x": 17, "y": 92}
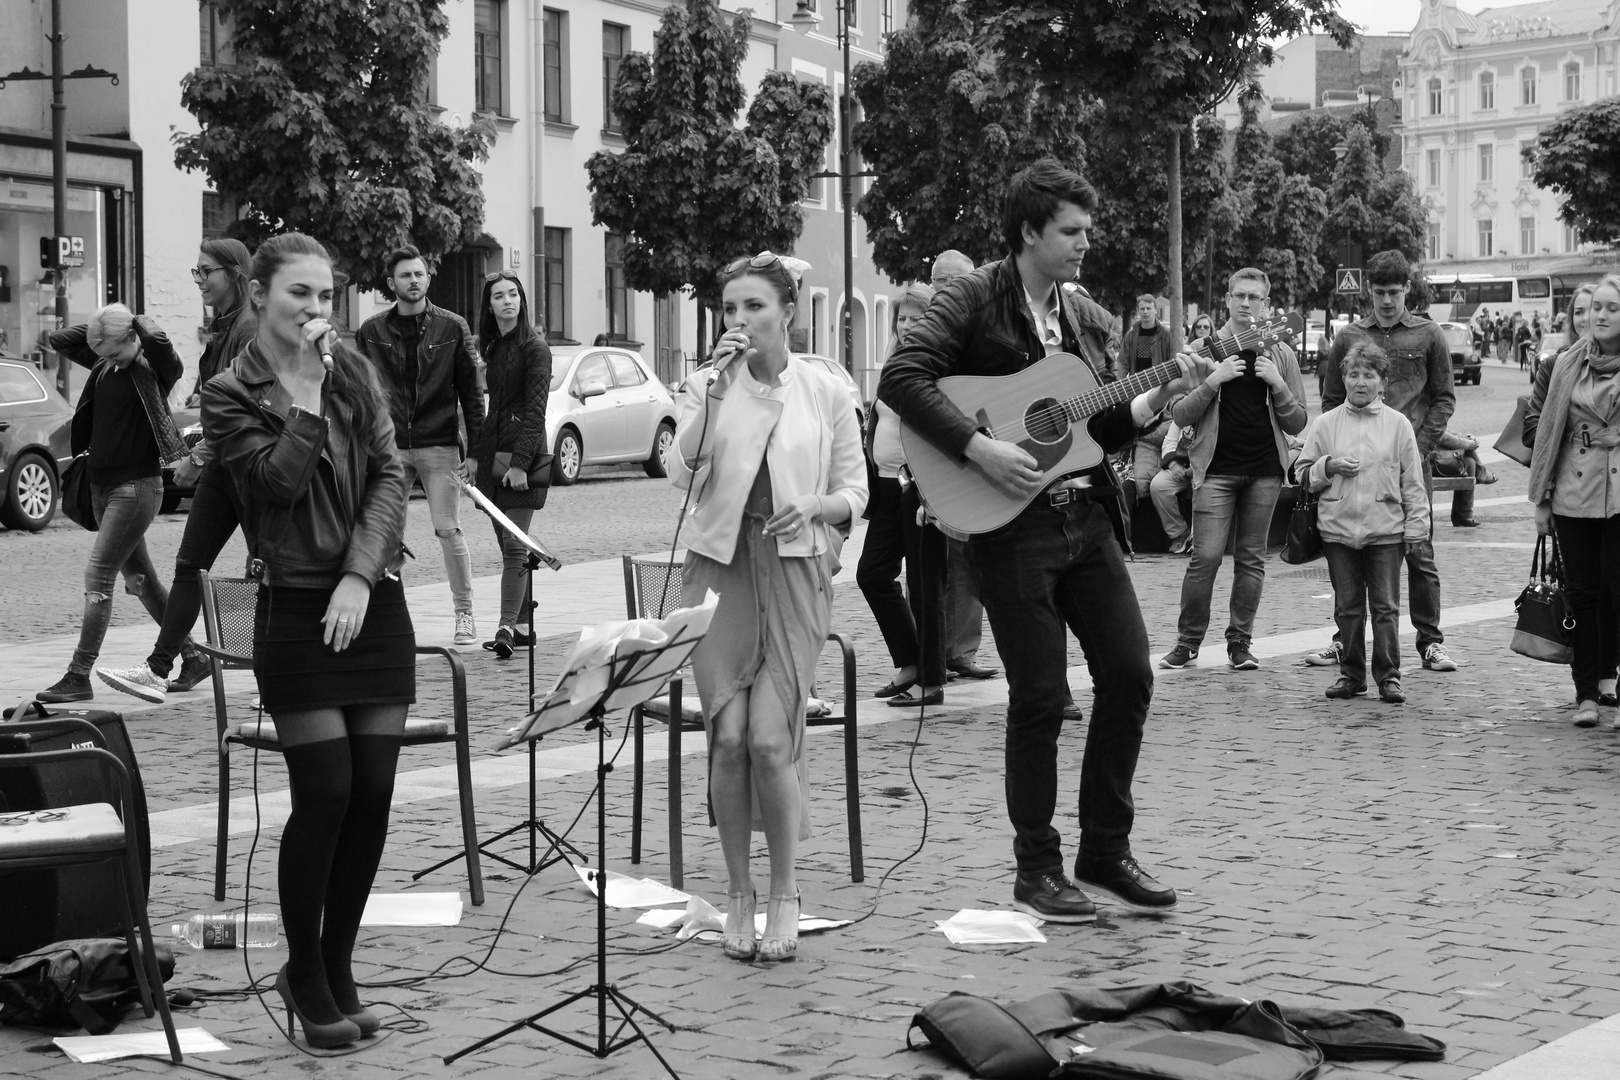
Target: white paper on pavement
{"x": 88, "y": 1049}
{"x": 702, "y": 917}
{"x": 413, "y": 909}
{"x": 973, "y": 927}
{"x": 628, "y": 892}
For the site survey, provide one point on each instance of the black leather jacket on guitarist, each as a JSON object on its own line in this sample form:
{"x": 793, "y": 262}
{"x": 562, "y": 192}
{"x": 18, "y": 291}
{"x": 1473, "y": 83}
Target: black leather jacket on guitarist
{"x": 981, "y": 326}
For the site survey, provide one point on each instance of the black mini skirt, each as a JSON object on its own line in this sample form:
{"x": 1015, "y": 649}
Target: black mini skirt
{"x": 297, "y": 671}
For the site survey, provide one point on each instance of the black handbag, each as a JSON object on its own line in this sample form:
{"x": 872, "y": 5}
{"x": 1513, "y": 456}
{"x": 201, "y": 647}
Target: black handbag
{"x": 539, "y": 468}
{"x": 1542, "y": 631}
{"x": 76, "y": 502}
{"x": 87, "y": 982}
{"x": 1304, "y": 541}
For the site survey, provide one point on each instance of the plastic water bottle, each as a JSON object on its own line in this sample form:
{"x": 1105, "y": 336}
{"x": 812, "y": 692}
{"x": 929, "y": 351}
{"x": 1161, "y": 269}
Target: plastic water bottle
{"x": 224, "y": 930}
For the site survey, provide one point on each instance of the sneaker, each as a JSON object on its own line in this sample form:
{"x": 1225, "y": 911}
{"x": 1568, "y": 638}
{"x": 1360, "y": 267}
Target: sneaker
{"x": 1435, "y": 658}
{"x": 1346, "y": 689}
{"x": 1586, "y": 715}
{"x": 1241, "y": 658}
{"x": 1178, "y": 657}
{"x": 466, "y": 631}
{"x": 1390, "y": 691}
{"x": 70, "y": 687}
{"x": 1328, "y": 657}
{"x": 1122, "y": 880}
{"x": 139, "y": 681}
{"x": 502, "y": 645}
{"x": 193, "y": 670}
{"x": 1052, "y": 897}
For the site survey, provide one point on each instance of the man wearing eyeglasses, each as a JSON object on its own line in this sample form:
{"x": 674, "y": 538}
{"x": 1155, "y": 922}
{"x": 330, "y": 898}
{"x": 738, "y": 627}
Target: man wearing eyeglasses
{"x": 427, "y": 362}
{"x": 1243, "y": 414}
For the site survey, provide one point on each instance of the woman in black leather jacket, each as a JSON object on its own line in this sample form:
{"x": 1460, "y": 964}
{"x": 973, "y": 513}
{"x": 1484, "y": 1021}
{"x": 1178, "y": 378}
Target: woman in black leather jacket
{"x": 513, "y": 466}
{"x": 305, "y": 434}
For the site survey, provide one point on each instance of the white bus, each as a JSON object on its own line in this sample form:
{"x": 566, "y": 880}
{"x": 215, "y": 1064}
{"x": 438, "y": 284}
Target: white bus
{"x": 1461, "y": 297}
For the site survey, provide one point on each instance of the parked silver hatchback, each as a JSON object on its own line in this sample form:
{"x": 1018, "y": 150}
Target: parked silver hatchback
{"x": 606, "y": 406}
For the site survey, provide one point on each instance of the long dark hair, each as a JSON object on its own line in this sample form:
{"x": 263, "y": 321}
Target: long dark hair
{"x": 233, "y": 258}
{"x": 353, "y": 380}
{"x": 488, "y": 329}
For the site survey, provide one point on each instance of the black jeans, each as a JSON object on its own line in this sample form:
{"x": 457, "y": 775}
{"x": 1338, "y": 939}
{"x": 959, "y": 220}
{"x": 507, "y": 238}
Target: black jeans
{"x": 1591, "y": 551}
{"x": 914, "y": 629}
{"x": 211, "y": 523}
{"x": 1367, "y": 578}
{"x": 1051, "y": 569}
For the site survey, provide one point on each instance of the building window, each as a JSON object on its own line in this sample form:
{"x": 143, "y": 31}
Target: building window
{"x": 216, "y": 38}
{"x": 1487, "y": 161}
{"x": 556, "y": 66}
{"x": 1431, "y": 242}
{"x": 1572, "y": 81}
{"x": 888, "y": 16}
{"x": 852, "y": 12}
{"x": 1527, "y": 85}
{"x": 1527, "y": 169}
{"x": 487, "y": 56}
{"x": 1486, "y": 244}
{"x": 217, "y": 215}
{"x": 555, "y": 269}
{"x": 1434, "y": 97}
{"x": 1487, "y": 90}
{"x": 618, "y": 293}
{"x": 1527, "y": 236}
{"x": 1433, "y": 158}
{"x": 1572, "y": 242}
{"x": 615, "y": 43}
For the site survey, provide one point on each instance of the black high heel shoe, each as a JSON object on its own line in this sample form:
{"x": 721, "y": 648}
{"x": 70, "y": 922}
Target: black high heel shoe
{"x": 318, "y": 1036}
{"x": 365, "y": 1020}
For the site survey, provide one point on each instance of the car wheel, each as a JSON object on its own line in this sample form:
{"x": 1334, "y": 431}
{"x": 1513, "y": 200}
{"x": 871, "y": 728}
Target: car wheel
{"x": 569, "y": 456}
{"x": 30, "y": 499}
{"x": 658, "y": 464}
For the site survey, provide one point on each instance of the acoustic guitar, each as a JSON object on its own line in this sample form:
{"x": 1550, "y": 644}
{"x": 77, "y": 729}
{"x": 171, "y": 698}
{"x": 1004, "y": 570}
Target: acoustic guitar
{"x": 1044, "y": 409}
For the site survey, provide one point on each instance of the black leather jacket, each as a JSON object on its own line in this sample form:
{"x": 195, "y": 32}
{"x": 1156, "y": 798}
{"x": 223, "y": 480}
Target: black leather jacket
{"x": 320, "y": 499}
{"x": 424, "y": 411}
{"x": 981, "y": 326}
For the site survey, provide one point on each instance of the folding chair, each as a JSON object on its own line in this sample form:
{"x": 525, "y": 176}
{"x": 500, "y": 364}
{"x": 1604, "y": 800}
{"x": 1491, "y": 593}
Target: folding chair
{"x": 229, "y": 613}
{"x": 87, "y": 833}
{"x": 652, "y": 589}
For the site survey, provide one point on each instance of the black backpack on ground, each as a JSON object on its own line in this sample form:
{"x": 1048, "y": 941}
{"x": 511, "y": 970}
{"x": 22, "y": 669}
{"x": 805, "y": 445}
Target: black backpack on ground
{"x": 84, "y": 983}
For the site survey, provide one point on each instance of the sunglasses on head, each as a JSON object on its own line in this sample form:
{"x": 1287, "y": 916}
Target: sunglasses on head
{"x": 758, "y": 262}
{"x": 501, "y": 275}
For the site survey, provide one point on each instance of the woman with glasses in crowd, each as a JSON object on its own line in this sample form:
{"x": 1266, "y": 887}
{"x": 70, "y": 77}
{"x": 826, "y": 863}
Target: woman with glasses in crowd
{"x": 221, "y": 274}
{"x": 123, "y": 420}
{"x": 771, "y": 453}
{"x": 512, "y": 440}
{"x": 300, "y": 423}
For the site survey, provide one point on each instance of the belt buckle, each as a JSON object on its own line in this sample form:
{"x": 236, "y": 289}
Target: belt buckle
{"x": 1062, "y": 496}
{"x": 1586, "y": 438}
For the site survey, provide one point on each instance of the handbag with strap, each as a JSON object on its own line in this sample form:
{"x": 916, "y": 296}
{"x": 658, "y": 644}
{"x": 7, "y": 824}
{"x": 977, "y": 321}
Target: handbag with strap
{"x": 539, "y": 468}
{"x": 76, "y": 502}
{"x": 1510, "y": 444}
{"x": 1304, "y": 541}
{"x": 1542, "y": 631}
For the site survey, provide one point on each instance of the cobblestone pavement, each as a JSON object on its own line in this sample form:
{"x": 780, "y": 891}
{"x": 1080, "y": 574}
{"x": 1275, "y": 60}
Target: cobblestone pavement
{"x": 1444, "y": 859}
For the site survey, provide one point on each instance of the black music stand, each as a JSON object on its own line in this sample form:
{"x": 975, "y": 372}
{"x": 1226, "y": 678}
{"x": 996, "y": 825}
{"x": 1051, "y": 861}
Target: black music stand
{"x": 633, "y": 675}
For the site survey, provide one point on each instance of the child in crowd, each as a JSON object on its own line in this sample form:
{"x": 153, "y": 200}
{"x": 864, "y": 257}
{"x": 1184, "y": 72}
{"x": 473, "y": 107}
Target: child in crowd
{"x": 1362, "y": 458}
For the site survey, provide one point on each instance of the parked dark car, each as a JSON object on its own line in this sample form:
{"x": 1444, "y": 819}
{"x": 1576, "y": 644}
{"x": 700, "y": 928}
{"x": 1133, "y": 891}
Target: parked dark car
{"x": 1465, "y": 362}
{"x": 33, "y": 445}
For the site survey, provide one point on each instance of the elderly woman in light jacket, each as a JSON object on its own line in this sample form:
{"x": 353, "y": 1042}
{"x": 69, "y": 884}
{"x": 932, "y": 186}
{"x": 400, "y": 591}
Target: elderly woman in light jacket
{"x": 771, "y": 452}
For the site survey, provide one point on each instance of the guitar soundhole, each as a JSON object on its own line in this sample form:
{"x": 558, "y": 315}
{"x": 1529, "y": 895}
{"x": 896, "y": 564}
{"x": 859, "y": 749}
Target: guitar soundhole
{"x": 1046, "y": 421}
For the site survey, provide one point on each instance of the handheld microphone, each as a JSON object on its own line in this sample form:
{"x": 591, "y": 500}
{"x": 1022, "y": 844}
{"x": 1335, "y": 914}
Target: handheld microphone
{"x": 326, "y": 358}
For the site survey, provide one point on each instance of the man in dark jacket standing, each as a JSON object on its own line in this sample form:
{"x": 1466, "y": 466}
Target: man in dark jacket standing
{"x": 427, "y": 363}
{"x": 1060, "y": 562}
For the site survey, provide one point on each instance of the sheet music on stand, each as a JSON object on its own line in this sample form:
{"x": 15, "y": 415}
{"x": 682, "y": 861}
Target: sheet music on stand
{"x": 596, "y": 661}
{"x": 487, "y": 505}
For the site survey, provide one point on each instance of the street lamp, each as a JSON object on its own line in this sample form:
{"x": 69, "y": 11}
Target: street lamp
{"x": 805, "y": 18}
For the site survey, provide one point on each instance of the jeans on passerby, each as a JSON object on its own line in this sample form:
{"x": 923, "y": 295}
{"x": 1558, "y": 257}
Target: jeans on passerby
{"x": 1423, "y": 579}
{"x": 434, "y": 465}
{"x": 912, "y": 628}
{"x": 964, "y": 615}
{"x": 123, "y": 513}
{"x": 1367, "y": 578}
{"x": 1049, "y": 570}
{"x": 1166, "y": 488}
{"x": 1591, "y": 552}
{"x": 1223, "y": 506}
{"x": 1145, "y": 458}
{"x": 210, "y": 524}
{"x": 514, "y": 557}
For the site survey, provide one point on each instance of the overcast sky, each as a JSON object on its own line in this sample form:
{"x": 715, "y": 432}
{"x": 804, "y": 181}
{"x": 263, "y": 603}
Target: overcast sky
{"x": 1395, "y": 16}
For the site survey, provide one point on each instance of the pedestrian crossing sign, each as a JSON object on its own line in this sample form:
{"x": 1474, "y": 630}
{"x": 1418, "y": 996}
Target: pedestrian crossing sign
{"x": 1347, "y": 280}
{"x": 1458, "y": 296}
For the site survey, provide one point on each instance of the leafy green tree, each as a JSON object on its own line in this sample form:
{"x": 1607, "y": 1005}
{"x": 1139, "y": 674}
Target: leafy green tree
{"x": 1578, "y": 157}
{"x": 323, "y": 126}
{"x": 1370, "y": 206}
{"x": 692, "y": 190}
{"x": 1279, "y": 216}
{"x": 947, "y": 123}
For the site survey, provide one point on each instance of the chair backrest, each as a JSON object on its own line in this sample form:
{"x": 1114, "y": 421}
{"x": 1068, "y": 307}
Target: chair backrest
{"x": 652, "y": 585}
{"x": 230, "y": 612}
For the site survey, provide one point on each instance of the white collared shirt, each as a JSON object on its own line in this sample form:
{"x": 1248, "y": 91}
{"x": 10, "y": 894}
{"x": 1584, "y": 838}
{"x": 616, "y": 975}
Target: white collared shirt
{"x": 1047, "y": 323}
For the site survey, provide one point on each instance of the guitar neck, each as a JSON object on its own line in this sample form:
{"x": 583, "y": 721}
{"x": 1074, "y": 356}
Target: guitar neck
{"x": 1128, "y": 388}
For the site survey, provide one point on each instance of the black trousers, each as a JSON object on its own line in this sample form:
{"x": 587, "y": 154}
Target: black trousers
{"x": 210, "y": 524}
{"x": 913, "y": 626}
{"x": 1591, "y": 550}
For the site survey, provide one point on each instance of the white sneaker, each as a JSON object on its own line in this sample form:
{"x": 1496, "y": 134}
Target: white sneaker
{"x": 466, "y": 631}
{"x": 1435, "y": 658}
{"x": 1328, "y": 657}
{"x": 139, "y": 681}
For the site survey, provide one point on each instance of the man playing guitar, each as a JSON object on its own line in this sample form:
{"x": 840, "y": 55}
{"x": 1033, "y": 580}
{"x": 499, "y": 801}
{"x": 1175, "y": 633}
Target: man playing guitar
{"x": 1058, "y": 563}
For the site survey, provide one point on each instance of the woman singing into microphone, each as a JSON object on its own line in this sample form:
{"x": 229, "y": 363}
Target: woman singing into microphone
{"x": 771, "y": 451}
{"x": 310, "y": 448}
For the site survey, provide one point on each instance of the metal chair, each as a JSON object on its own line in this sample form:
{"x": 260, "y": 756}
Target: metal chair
{"x": 229, "y": 615}
{"x": 87, "y": 833}
{"x": 652, "y": 589}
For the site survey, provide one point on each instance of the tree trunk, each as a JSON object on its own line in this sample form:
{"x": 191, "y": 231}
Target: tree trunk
{"x": 1173, "y": 171}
